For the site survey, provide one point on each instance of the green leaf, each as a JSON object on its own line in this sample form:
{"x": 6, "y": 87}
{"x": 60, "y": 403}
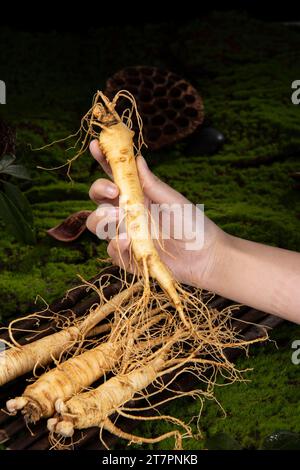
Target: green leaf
{"x": 19, "y": 171}
{"x": 6, "y": 160}
{"x": 222, "y": 441}
{"x": 15, "y": 221}
{"x": 282, "y": 440}
{"x": 19, "y": 200}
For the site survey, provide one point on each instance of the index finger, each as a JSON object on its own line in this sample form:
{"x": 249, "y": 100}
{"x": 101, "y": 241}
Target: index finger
{"x": 98, "y": 155}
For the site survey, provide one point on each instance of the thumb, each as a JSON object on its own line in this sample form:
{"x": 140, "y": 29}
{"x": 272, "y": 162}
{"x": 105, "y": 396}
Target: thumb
{"x": 154, "y": 188}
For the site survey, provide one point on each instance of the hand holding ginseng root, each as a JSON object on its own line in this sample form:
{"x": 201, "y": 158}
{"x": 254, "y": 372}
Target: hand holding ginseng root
{"x": 128, "y": 349}
{"x": 188, "y": 265}
{"x": 264, "y": 277}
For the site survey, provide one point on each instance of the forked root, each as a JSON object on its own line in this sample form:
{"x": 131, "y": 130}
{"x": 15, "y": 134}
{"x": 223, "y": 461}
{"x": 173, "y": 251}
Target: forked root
{"x": 92, "y": 408}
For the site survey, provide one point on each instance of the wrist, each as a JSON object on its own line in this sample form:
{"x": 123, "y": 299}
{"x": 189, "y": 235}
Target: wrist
{"x": 218, "y": 260}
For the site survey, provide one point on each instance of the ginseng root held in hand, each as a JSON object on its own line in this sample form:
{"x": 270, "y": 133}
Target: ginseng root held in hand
{"x": 116, "y": 142}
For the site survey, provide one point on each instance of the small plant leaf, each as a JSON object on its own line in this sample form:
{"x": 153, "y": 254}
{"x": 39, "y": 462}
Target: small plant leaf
{"x": 5, "y": 161}
{"x": 15, "y": 221}
{"x": 20, "y": 201}
{"x": 19, "y": 171}
{"x": 222, "y": 441}
{"x": 71, "y": 228}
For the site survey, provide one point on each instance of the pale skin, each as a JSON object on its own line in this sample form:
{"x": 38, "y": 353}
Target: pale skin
{"x": 263, "y": 277}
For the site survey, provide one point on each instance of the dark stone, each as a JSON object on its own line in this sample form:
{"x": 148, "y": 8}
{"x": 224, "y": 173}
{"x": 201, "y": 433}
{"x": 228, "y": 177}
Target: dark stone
{"x": 205, "y": 141}
{"x": 282, "y": 440}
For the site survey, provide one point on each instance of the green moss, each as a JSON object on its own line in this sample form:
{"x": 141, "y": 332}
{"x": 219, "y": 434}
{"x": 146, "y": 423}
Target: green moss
{"x": 57, "y": 192}
{"x": 246, "y": 86}
{"x": 45, "y": 270}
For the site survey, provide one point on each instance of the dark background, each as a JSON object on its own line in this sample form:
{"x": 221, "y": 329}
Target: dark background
{"x": 68, "y": 17}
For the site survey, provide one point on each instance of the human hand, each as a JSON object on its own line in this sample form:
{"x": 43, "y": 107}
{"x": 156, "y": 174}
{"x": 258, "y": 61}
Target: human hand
{"x": 188, "y": 265}
{"x": 264, "y": 277}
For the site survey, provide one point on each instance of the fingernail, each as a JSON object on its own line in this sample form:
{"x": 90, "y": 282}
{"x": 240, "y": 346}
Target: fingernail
{"x": 111, "y": 190}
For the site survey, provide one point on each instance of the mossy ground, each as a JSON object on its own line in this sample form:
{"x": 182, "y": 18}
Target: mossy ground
{"x": 243, "y": 69}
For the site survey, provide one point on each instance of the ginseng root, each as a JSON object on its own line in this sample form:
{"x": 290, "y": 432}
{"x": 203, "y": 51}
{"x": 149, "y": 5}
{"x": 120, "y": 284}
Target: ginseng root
{"x": 116, "y": 143}
{"x": 74, "y": 375}
{"x": 64, "y": 381}
{"x": 94, "y": 408}
{"x": 17, "y": 361}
